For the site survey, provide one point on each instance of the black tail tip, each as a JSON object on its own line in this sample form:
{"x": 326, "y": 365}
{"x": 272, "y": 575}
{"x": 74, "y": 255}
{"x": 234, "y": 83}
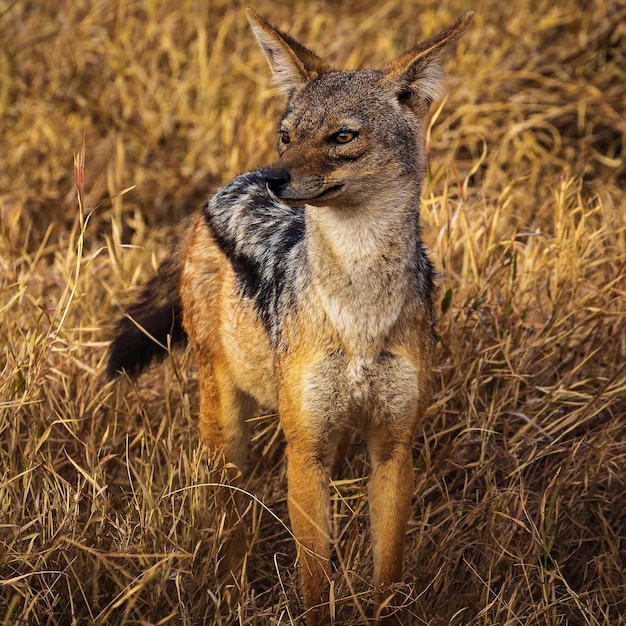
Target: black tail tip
{"x": 130, "y": 351}
{"x": 134, "y": 348}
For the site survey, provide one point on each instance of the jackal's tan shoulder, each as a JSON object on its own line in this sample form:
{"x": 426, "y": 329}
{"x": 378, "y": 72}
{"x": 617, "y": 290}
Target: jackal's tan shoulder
{"x": 222, "y": 324}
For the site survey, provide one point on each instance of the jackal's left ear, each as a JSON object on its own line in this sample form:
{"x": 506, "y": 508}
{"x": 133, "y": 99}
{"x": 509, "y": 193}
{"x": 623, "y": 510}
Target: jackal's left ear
{"x": 293, "y": 64}
{"x": 419, "y": 72}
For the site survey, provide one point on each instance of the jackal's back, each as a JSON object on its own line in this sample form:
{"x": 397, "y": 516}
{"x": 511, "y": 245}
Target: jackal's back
{"x": 263, "y": 239}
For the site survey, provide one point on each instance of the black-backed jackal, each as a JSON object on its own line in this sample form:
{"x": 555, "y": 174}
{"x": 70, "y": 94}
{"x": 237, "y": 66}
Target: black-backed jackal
{"x": 305, "y": 287}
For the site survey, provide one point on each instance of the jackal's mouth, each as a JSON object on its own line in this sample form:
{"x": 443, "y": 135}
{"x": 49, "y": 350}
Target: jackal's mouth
{"x": 292, "y": 199}
{"x": 289, "y": 196}
{"x": 330, "y": 192}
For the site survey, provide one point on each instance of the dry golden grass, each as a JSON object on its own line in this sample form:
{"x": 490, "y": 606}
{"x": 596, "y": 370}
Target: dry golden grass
{"x": 519, "y": 513}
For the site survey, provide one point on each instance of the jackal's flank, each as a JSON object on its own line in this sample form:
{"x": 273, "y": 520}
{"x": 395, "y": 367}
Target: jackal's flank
{"x": 305, "y": 287}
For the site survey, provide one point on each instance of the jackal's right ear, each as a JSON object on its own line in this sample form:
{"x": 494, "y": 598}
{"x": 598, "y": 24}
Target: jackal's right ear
{"x": 293, "y": 64}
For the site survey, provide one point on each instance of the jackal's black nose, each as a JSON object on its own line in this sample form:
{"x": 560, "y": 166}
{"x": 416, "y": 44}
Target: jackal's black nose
{"x": 277, "y": 179}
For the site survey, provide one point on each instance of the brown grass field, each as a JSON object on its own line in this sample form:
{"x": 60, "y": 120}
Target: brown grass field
{"x": 117, "y": 119}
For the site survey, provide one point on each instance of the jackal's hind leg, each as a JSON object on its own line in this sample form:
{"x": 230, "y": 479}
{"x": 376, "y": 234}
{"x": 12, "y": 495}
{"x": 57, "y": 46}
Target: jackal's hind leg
{"x": 337, "y": 452}
{"x": 224, "y": 411}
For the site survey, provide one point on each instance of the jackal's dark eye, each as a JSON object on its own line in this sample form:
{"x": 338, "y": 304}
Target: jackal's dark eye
{"x": 284, "y": 137}
{"x": 344, "y": 136}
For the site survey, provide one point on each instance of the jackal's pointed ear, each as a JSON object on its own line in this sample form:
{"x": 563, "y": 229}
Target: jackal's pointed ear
{"x": 418, "y": 72}
{"x": 293, "y": 64}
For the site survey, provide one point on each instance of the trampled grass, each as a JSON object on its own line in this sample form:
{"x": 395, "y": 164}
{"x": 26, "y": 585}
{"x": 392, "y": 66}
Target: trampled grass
{"x": 117, "y": 119}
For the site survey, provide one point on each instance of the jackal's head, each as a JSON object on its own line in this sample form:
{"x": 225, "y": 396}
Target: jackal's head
{"x": 349, "y": 136}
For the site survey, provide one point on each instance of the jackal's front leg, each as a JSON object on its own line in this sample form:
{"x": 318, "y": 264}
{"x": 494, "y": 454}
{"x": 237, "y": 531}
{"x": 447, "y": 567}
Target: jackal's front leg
{"x": 308, "y": 459}
{"x": 309, "y": 512}
{"x": 390, "y": 491}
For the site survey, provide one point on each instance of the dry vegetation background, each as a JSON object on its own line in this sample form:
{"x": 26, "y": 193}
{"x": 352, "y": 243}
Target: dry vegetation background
{"x": 519, "y": 515}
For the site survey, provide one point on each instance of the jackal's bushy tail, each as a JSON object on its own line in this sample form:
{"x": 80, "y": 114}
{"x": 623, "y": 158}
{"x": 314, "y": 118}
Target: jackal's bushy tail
{"x": 142, "y": 334}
